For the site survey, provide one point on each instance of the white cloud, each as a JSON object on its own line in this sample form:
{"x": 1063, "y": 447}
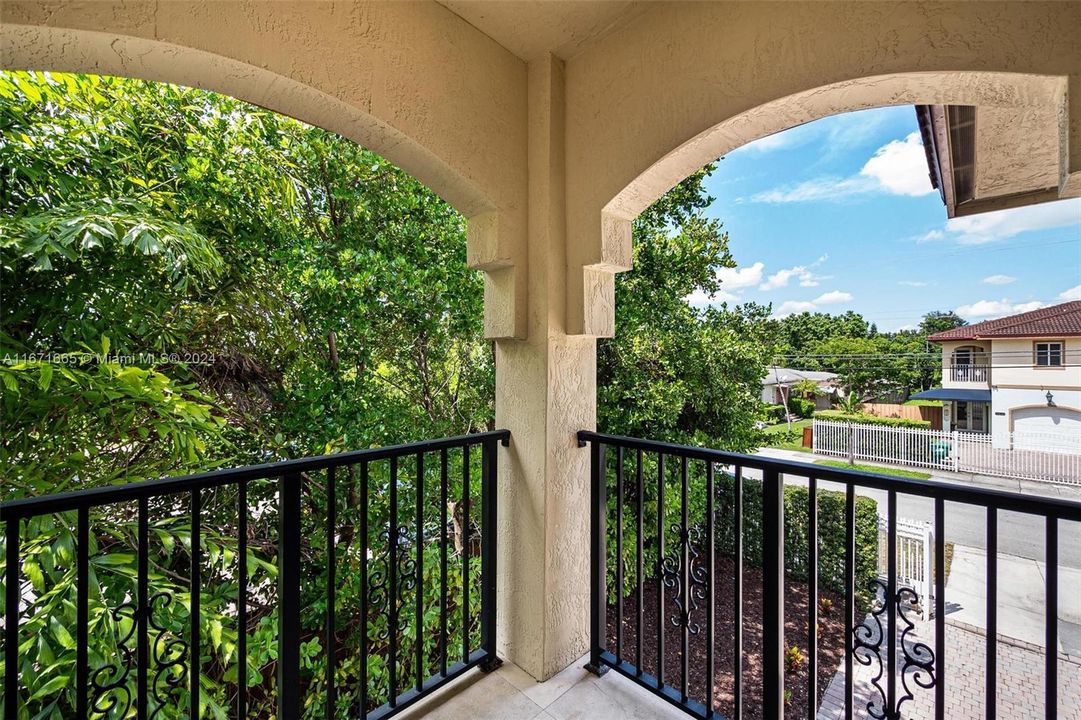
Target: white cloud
{"x": 806, "y": 277}
{"x": 790, "y": 307}
{"x": 996, "y": 308}
{"x": 829, "y": 188}
{"x": 1073, "y": 293}
{"x": 912, "y": 283}
{"x": 1001, "y": 224}
{"x": 832, "y": 298}
{"x": 900, "y": 167}
{"x": 999, "y": 279}
{"x": 930, "y": 236}
{"x": 738, "y": 278}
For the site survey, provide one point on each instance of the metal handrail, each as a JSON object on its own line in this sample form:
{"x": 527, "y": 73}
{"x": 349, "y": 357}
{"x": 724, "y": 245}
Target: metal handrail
{"x": 74, "y": 499}
{"x": 683, "y": 570}
{"x": 1060, "y": 508}
{"x": 292, "y": 476}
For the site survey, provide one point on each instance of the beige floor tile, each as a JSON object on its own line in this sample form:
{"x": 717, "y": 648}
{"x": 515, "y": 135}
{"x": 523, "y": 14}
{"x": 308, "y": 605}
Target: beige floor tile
{"x": 612, "y": 697}
{"x": 476, "y": 696}
{"x": 545, "y": 693}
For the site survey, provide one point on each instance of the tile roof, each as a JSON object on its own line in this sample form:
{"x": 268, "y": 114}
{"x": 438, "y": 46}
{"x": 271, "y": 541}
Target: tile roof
{"x": 779, "y": 376}
{"x": 1055, "y": 321}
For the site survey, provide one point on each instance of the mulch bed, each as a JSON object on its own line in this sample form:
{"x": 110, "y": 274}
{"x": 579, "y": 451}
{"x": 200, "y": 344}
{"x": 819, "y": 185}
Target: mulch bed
{"x": 831, "y": 641}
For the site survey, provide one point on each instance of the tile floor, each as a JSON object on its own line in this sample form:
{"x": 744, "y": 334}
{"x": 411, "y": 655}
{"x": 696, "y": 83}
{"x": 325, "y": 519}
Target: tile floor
{"x": 573, "y": 694}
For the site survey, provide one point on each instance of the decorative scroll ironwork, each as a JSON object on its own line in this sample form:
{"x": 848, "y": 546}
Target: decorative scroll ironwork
{"x": 169, "y": 655}
{"x": 378, "y": 581}
{"x": 867, "y": 641}
{"x": 383, "y": 585}
{"x": 407, "y": 564}
{"x": 917, "y": 661}
{"x": 109, "y": 683}
{"x": 687, "y": 599}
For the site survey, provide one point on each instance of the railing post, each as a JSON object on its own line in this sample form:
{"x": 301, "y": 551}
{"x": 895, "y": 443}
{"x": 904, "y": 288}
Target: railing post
{"x": 598, "y": 557}
{"x": 289, "y": 539}
{"x": 772, "y": 596}
{"x": 489, "y": 512}
{"x": 12, "y": 585}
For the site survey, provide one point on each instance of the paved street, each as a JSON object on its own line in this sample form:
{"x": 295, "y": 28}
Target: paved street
{"x": 1018, "y": 534}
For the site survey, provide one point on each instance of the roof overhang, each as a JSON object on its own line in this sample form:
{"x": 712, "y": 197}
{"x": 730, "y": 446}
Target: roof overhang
{"x": 964, "y": 394}
{"x": 982, "y": 159}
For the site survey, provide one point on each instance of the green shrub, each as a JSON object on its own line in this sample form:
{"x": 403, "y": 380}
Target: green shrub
{"x": 831, "y": 524}
{"x": 774, "y": 412}
{"x": 800, "y": 406}
{"x": 864, "y": 419}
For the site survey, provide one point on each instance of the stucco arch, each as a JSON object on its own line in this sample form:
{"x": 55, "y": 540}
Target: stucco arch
{"x": 743, "y": 71}
{"x": 328, "y": 64}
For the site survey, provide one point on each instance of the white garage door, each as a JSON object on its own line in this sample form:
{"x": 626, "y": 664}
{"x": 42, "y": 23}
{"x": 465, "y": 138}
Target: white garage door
{"x": 1047, "y": 428}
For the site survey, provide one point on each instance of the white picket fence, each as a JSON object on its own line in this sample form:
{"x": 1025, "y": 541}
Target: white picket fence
{"x": 914, "y": 554}
{"x": 1050, "y": 457}
{"x": 914, "y": 447}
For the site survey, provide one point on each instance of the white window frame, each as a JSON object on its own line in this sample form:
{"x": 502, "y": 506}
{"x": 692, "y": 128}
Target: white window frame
{"x": 1047, "y": 350}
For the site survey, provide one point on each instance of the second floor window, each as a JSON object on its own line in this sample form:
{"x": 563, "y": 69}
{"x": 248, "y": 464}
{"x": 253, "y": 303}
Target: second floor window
{"x": 1048, "y": 354}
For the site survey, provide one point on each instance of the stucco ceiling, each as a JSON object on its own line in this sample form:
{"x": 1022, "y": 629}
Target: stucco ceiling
{"x": 530, "y": 28}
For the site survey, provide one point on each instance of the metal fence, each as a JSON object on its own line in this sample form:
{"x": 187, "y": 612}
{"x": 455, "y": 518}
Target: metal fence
{"x": 673, "y": 490}
{"x": 298, "y": 533}
{"x": 1049, "y": 457}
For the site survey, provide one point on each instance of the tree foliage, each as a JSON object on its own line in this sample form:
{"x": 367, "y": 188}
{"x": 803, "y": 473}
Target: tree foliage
{"x": 190, "y": 282}
{"x": 672, "y": 371}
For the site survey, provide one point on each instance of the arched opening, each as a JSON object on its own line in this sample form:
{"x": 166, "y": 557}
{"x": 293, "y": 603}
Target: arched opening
{"x": 1041, "y": 99}
{"x": 407, "y": 119}
{"x": 858, "y": 366}
{"x": 190, "y": 282}
{"x": 969, "y": 364}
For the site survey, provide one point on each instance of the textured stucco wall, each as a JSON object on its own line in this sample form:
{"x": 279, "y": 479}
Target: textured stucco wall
{"x": 1014, "y": 365}
{"x": 412, "y": 81}
{"x": 685, "y": 83}
{"x": 550, "y": 162}
{"x": 545, "y": 393}
{"x": 1017, "y": 149}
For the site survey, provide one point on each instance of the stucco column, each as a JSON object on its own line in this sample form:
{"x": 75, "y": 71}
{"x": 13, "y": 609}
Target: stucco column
{"x": 1071, "y": 159}
{"x": 545, "y": 393}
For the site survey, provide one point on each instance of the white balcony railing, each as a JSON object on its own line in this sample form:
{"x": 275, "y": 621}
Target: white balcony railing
{"x": 970, "y": 373}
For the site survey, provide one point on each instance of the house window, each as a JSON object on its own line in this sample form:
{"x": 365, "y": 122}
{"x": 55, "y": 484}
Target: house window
{"x": 1048, "y": 354}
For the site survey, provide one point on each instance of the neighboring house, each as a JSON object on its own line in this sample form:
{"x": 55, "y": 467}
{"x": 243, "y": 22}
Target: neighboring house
{"x": 778, "y": 382}
{"x": 1020, "y": 373}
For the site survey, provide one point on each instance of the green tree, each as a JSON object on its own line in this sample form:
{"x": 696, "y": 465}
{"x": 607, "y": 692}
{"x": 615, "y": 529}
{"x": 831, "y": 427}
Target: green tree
{"x": 940, "y": 320}
{"x": 672, "y": 371}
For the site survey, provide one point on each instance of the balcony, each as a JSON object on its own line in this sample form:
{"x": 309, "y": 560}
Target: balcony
{"x": 970, "y": 373}
{"x": 721, "y": 585}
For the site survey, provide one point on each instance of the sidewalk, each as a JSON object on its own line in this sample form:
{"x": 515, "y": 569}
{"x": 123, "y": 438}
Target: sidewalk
{"x": 1020, "y": 599}
{"x": 989, "y": 482}
{"x": 1019, "y": 651}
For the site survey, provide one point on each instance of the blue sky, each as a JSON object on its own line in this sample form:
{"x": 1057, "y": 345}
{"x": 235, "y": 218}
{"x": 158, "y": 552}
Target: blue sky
{"x": 839, "y": 215}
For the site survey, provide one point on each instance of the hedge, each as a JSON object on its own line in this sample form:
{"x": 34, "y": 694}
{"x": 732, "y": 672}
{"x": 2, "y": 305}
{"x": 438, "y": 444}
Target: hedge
{"x": 831, "y": 525}
{"x": 774, "y": 412}
{"x": 802, "y": 407}
{"x": 842, "y": 416}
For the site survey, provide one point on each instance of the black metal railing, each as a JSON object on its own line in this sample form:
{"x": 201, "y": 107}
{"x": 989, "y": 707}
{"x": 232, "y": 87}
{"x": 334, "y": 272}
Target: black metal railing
{"x": 723, "y": 597}
{"x": 395, "y": 530}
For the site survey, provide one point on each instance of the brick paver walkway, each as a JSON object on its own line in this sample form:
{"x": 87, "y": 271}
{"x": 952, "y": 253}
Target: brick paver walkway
{"x": 1019, "y": 686}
